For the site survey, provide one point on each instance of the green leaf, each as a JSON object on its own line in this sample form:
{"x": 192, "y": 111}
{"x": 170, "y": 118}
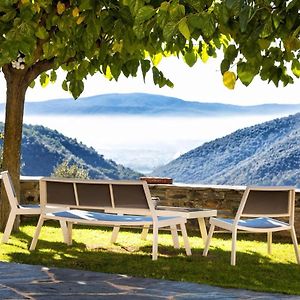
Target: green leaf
{"x": 244, "y": 18}
{"x": 53, "y": 76}
{"x": 267, "y": 29}
{"x": 225, "y": 65}
{"x": 233, "y": 5}
{"x": 190, "y": 58}
{"x": 169, "y": 30}
{"x": 184, "y": 28}
{"x": 86, "y": 4}
{"x": 76, "y": 87}
{"x": 145, "y": 66}
{"x": 296, "y": 68}
{"x": 8, "y": 16}
{"x": 231, "y": 53}
{"x": 32, "y": 84}
{"x": 204, "y": 21}
{"x": 65, "y": 85}
{"x": 144, "y": 14}
{"x": 245, "y": 73}
{"x": 44, "y": 79}
{"x": 41, "y": 33}
{"x": 292, "y": 4}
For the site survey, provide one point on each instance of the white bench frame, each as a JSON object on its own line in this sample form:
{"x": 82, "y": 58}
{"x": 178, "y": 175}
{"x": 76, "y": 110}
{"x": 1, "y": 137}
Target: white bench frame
{"x": 124, "y": 214}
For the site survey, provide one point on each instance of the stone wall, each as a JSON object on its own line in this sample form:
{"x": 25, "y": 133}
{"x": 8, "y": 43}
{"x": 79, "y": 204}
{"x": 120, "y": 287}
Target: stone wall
{"x": 225, "y": 199}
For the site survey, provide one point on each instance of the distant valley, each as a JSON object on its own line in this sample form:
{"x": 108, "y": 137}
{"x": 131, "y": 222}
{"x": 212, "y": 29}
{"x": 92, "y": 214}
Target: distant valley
{"x": 148, "y": 104}
{"x": 43, "y": 149}
{"x": 264, "y": 154}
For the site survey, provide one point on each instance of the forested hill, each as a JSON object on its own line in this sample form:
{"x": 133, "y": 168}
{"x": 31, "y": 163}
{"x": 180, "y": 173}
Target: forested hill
{"x": 148, "y": 104}
{"x": 264, "y": 154}
{"x": 43, "y": 149}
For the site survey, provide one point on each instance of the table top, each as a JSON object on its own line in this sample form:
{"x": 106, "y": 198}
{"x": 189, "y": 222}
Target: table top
{"x": 187, "y": 212}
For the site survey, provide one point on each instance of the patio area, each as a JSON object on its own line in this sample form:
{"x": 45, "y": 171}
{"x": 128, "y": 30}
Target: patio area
{"x": 38, "y": 282}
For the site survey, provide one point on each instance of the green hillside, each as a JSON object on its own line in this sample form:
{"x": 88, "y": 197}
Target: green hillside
{"x": 264, "y": 154}
{"x": 43, "y": 149}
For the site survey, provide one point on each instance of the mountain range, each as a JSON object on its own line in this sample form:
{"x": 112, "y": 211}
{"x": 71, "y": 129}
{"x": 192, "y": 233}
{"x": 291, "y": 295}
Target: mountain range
{"x": 264, "y": 154}
{"x": 147, "y": 104}
{"x": 43, "y": 149}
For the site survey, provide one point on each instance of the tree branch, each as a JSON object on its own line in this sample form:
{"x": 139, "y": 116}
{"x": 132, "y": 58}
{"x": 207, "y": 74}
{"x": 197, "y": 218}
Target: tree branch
{"x": 35, "y": 70}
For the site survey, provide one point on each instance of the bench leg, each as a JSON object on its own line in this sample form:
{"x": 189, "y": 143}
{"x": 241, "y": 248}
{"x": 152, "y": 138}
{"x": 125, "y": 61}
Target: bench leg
{"x": 185, "y": 239}
{"x": 114, "y": 234}
{"x": 65, "y": 231}
{"x": 269, "y": 238}
{"x": 70, "y": 228}
{"x": 8, "y": 227}
{"x": 145, "y": 232}
{"x": 203, "y": 230}
{"x": 175, "y": 236}
{"x": 155, "y": 242}
{"x": 37, "y": 233}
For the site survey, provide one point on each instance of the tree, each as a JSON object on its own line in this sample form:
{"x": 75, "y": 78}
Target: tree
{"x": 67, "y": 169}
{"x": 256, "y": 38}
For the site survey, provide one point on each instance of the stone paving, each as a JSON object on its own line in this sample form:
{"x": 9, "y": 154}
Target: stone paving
{"x": 19, "y": 281}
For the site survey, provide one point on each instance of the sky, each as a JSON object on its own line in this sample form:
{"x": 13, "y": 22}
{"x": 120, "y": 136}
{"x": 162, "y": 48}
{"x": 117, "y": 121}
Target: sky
{"x": 202, "y": 82}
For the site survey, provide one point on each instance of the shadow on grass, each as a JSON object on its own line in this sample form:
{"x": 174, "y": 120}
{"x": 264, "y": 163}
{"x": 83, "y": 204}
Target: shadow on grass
{"x": 253, "y": 271}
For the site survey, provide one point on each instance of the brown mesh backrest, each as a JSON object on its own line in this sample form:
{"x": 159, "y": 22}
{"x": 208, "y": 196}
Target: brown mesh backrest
{"x": 93, "y": 194}
{"x": 267, "y": 202}
{"x": 60, "y": 193}
{"x": 129, "y": 196}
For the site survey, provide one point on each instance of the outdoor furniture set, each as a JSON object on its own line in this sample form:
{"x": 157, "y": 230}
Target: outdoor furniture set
{"x": 119, "y": 203}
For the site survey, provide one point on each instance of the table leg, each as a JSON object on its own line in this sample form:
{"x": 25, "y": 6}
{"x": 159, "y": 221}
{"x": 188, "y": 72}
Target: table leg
{"x": 203, "y": 230}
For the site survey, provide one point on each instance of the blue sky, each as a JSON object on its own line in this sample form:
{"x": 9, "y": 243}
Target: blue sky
{"x": 202, "y": 83}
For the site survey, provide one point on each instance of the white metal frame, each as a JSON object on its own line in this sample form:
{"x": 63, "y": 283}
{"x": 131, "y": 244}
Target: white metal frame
{"x": 234, "y": 226}
{"x": 24, "y": 209}
{"x": 156, "y": 222}
{"x": 16, "y": 208}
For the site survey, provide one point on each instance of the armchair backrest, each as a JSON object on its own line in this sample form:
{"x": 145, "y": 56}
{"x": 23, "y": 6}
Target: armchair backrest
{"x": 272, "y": 201}
{"x": 9, "y": 188}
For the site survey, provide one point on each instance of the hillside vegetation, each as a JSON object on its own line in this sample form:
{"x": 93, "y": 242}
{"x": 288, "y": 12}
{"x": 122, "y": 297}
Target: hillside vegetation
{"x": 43, "y": 149}
{"x": 264, "y": 154}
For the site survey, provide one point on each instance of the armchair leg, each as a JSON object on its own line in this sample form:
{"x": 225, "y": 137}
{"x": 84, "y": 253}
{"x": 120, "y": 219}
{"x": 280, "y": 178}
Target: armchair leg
{"x": 233, "y": 247}
{"x": 207, "y": 243}
{"x": 155, "y": 242}
{"x": 37, "y": 233}
{"x": 185, "y": 239}
{"x": 8, "y": 227}
{"x": 294, "y": 238}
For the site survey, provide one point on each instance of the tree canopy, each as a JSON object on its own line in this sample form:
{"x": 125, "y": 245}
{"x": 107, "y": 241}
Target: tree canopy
{"x": 113, "y": 37}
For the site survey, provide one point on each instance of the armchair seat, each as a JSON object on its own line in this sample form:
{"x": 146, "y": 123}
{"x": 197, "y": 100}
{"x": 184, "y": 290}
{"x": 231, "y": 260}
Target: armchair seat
{"x": 256, "y": 223}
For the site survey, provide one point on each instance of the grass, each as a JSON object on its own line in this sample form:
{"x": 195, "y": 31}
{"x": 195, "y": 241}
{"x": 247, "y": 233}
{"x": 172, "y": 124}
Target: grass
{"x": 91, "y": 250}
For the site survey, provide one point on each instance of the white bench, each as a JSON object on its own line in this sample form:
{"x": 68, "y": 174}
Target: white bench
{"x": 78, "y": 200}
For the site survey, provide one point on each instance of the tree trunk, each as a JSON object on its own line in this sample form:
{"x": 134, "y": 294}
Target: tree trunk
{"x": 16, "y": 84}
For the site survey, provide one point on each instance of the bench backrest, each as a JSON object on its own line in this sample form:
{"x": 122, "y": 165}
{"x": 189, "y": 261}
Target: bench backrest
{"x": 96, "y": 194}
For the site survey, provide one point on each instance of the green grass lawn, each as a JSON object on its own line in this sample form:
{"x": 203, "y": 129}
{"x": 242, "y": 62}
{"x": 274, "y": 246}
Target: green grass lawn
{"x": 91, "y": 250}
